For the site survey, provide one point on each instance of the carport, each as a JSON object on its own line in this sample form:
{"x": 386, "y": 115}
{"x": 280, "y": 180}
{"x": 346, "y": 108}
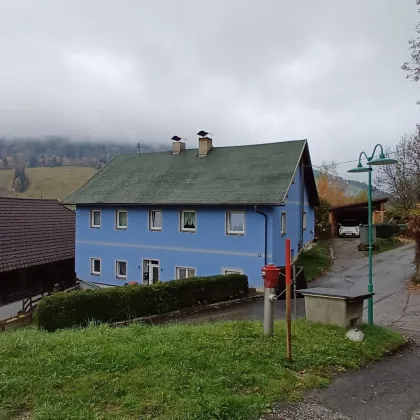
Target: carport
{"x": 357, "y": 212}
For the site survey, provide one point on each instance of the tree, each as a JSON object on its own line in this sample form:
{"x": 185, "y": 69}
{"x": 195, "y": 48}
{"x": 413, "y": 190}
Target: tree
{"x": 362, "y": 196}
{"x": 5, "y": 163}
{"x": 402, "y": 181}
{"x": 414, "y": 226}
{"x": 412, "y": 67}
{"x": 329, "y": 185}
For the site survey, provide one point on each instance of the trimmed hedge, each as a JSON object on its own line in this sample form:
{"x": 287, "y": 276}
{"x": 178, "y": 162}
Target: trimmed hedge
{"x": 78, "y": 308}
{"x": 385, "y": 230}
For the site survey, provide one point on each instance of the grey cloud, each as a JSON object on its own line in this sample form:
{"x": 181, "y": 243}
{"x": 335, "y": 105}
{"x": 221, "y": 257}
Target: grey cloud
{"x": 249, "y": 71}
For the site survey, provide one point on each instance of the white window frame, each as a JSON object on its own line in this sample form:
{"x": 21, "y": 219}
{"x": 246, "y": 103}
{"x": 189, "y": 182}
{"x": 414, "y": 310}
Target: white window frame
{"x": 283, "y": 226}
{"x": 118, "y": 219}
{"x": 118, "y": 276}
{"x": 182, "y": 221}
{"x": 155, "y": 229}
{"x": 304, "y": 221}
{"x": 234, "y": 232}
{"x": 92, "y": 218}
{"x": 232, "y": 271}
{"x": 92, "y": 266}
{"x": 177, "y": 268}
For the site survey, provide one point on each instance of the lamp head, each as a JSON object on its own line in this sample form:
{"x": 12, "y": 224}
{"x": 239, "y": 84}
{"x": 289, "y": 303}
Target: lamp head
{"x": 382, "y": 160}
{"x": 360, "y": 168}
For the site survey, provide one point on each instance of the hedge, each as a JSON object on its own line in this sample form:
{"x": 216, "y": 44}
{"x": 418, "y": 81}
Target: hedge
{"x": 385, "y": 230}
{"x": 78, "y": 308}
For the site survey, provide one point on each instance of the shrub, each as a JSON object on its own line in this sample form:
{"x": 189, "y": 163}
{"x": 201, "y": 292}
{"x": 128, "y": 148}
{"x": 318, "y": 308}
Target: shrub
{"x": 385, "y": 230}
{"x": 78, "y": 308}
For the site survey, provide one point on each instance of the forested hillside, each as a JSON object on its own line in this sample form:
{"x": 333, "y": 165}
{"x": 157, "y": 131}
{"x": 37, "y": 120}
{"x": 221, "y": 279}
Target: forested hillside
{"x": 62, "y": 151}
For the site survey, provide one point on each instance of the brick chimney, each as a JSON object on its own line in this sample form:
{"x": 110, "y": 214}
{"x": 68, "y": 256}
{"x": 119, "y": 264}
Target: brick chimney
{"x": 177, "y": 147}
{"x": 204, "y": 145}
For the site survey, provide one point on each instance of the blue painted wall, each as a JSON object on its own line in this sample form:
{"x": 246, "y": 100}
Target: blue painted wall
{"x": 293, "y": 209}
{"x": 209, "y": 250}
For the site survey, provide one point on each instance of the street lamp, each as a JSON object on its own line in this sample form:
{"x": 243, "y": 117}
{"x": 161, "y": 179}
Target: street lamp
{"x": 381, "y": 160}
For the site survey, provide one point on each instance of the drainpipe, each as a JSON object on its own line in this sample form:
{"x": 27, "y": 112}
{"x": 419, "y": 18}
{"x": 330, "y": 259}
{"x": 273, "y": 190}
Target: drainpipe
{"x": 265, "y": 233}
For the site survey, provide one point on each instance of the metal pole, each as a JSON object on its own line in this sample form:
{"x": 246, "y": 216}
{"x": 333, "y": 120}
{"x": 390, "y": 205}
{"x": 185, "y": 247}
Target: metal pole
{"x": 370, "y": 284}
{"x": 268, "y": 312}
{"x": 288, "y": 303}
{"x": 294, "y": 291}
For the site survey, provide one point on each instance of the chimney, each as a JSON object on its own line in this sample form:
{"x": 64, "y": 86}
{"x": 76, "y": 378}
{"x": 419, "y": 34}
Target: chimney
{"x": 205, "y": 143}
{"x": 177, "y": 145}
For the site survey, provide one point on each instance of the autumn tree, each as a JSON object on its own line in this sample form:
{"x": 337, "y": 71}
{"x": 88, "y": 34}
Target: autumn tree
{"x": 361, "y": 196}
{"x": 414, "y": 226}
{"x": 329, "y": 185}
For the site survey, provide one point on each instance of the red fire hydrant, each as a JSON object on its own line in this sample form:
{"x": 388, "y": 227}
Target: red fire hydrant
{"x": 270, "y": 273}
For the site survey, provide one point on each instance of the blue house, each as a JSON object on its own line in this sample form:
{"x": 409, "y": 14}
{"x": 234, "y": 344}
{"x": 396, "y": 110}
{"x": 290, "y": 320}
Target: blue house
{"x": 194, "y": 212}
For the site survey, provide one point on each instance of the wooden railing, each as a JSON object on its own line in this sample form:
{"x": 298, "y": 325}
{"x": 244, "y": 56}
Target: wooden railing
{"x": 29, "y": 304}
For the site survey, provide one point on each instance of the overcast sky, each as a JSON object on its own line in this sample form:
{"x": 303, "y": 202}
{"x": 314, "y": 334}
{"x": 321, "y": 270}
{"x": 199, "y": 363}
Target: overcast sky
{"x": 247, "y": 71}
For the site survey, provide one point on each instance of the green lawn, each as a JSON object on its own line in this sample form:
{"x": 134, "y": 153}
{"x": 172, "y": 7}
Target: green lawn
{"x": 316, "y": 261}
{"x": 208, "y": 371}
{"x": 57, "y": 182}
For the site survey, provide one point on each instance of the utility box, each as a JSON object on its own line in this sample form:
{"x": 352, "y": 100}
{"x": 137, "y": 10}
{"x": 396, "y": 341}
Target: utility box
{"x": 364, "y": 234}
{"x": 334, "y": 306}
{"x": 364, "y": 238}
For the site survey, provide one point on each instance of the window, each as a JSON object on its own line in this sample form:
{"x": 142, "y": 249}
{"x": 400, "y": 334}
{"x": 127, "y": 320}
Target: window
{"x": 95, "y": 266}
{"x": 188, "y": 221}
{"x": 95, "y": 218}
{"x": 121, "y": 268}
{"x": 122, "y": 219}
{"x": 185, "y": 272}
{"x": 304, "y": 221}
{"x": 283, "y": 223}
{"x": 235, "y": 223}
{"x": 231, "y": 271}
{"x": 155, "y": 220}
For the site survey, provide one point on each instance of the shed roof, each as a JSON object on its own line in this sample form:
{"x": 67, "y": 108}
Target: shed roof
{"x": 254, "y": 174}
{"x": 360, "y": 203}
{"x": 34, "y": 232}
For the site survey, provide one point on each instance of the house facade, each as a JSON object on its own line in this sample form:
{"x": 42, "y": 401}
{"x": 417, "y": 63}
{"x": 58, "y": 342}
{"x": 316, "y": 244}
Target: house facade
{"x": 194, "y": 212}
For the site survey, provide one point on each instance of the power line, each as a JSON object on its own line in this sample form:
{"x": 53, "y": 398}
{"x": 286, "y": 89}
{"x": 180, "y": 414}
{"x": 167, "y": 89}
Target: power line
{"x": 352, "y": 161}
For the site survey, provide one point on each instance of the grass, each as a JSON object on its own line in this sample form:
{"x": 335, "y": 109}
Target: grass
{"x": 388, "y": 244}
{"x": 316, "y": 261}
{"x": 209, "y": 371}
{"x": 57, "y": 182}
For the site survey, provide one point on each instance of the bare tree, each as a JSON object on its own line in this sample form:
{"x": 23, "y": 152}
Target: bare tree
{"x": 402, "y": 181}
{"x": 412, "y": 67}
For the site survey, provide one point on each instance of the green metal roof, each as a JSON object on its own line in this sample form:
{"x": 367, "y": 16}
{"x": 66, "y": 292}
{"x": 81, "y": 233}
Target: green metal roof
{"x": 256, "y": 174}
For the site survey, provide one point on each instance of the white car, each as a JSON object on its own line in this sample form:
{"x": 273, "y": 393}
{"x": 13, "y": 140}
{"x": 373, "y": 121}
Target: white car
{"x": 349, "y": 229}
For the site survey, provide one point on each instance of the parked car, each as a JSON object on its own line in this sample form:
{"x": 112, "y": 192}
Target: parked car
{"x": 349, "y": 228}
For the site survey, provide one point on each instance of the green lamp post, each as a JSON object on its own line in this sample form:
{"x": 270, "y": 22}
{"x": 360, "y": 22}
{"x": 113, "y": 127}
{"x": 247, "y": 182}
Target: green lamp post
{"x": 381, "y": 160}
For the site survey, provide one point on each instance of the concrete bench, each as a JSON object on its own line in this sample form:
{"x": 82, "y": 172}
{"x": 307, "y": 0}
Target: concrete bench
{"x": 334, "y": 306}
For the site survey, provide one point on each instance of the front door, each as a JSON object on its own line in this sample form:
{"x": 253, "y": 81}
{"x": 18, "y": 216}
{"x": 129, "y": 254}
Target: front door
{"x": 150, "y": 271}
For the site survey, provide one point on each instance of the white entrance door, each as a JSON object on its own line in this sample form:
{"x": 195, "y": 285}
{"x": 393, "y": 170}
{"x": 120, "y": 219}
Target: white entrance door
{"x": 150, "y": 271}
